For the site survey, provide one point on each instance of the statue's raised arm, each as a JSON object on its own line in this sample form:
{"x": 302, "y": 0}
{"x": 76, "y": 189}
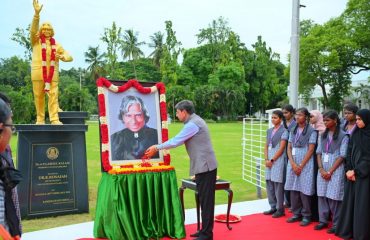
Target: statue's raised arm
{"x": 35, "y": 22}
{"x": 37, "y": 7}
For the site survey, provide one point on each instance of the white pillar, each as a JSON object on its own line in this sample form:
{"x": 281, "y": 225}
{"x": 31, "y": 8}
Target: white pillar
{"x": 294, "y": 56}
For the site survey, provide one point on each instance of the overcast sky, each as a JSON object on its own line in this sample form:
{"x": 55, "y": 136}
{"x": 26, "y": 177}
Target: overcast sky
{"x": 80, "y": 23}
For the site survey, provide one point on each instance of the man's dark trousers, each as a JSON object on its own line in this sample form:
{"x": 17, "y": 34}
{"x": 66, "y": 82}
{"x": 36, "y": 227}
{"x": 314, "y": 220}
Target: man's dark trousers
{"x": 206, "y": 184}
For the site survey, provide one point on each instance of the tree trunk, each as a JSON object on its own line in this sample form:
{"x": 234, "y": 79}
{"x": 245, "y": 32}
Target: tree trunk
{"x": 324, "y": 94}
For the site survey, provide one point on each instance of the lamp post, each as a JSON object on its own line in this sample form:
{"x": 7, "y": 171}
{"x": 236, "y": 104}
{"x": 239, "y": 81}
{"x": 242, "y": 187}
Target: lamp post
{"x": 80, "y": 87}
{"x": 294, "y": 55}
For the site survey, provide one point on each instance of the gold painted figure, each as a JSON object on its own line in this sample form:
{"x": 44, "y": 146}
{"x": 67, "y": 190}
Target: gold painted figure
{"x": 46, "y": 54}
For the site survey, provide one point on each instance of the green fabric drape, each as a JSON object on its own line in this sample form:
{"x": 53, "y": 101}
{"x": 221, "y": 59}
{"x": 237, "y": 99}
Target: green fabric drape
{"x": 139, "y": 206}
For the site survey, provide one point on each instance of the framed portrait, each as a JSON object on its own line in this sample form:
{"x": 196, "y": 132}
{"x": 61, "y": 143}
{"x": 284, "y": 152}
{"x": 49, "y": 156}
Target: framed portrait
{"x": 132, "y": 118}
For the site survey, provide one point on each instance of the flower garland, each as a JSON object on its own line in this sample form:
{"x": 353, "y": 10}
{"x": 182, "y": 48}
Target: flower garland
{"x": 129, "y": 168}
{"x": 141, "y": 169}
{"x": 47, "y": 78}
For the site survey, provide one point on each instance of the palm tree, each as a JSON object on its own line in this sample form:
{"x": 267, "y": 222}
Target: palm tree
{"x": 157, "y": 44}
{"x": 130, "y": 47}
{"x": 95, "y": 61}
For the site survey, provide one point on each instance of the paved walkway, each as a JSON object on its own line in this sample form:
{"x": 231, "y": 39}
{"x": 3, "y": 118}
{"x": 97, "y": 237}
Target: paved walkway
{"x": 85, "y": 230}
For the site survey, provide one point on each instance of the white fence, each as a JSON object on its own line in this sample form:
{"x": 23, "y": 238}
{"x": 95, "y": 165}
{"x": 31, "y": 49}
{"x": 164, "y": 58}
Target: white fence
{"x": 253, "y": 143}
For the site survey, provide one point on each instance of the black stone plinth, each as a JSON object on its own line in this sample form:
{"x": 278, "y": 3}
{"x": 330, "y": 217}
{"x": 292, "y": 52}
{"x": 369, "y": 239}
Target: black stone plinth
{"x": 73, "y": 117}
{"x": 52, "y": 159}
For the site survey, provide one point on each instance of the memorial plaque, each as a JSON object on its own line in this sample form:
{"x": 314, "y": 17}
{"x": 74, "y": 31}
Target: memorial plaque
{"x": 52, "y": 159}
{"x": 52, "y": 178}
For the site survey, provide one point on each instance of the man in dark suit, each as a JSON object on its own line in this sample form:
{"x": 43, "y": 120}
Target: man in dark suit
{"x": 203, "y": 163}
{"x": 131, "y": 142}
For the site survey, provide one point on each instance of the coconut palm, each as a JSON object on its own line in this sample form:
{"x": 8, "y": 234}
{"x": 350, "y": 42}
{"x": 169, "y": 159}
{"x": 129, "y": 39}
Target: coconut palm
{"x": 157, "y": 44}
{"x": 95, "y": 61}
{"x": 130, "y": 47}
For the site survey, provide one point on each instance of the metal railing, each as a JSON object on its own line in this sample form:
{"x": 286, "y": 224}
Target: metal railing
{"x": 253, "y": 143}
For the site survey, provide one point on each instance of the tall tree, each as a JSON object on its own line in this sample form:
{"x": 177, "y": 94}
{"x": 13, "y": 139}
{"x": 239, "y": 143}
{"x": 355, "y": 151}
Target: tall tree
{"x": 22, "y": 37}
{"x": 130, "y": 47}
{"x": 261, "y": 74}
{"x": 112, "y": 38}
{"x": 158, "y": 44}
{"x": 95, "y": 61}
{"x": 357, "y": 18}
{"x": 145, "y": 70}
{"x": 326, "y": 56}
{"x": 172, "y": 48}
{"x": 14, "y": 72}
{"x": 215, "y": 35}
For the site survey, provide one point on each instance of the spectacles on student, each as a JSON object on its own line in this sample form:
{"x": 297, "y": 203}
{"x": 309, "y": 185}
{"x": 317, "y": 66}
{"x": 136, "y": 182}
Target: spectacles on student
{"x": 12, "y": 127}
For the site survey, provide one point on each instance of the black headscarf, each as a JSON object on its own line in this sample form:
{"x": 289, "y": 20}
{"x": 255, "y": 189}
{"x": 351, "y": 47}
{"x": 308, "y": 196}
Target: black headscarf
{"x": 365, "y": 116}
{"x": 361, "y": 138}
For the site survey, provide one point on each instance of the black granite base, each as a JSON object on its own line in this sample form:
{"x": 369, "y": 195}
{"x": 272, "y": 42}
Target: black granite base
{"x": 52, "y": 159}
{"x": 73, "y": 117}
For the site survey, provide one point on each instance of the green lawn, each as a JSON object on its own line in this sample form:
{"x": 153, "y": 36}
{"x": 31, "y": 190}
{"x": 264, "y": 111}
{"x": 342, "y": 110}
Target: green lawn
{"x": 226, "y": 138}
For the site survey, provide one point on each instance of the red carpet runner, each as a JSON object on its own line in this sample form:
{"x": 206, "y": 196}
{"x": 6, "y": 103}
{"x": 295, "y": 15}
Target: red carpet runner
{"x": 261, "y": 227}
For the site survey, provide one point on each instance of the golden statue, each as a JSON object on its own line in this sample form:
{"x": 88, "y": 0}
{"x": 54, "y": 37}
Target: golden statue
{"x": 46, "y": 53}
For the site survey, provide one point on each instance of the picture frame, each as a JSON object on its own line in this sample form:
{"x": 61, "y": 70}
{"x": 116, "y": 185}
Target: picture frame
{"x": 132, "y": 117}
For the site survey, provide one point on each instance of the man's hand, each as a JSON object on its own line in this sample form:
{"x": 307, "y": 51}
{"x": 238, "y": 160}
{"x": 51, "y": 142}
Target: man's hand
{"x": 151, "y": 151}
{"x": 37, "y": 6}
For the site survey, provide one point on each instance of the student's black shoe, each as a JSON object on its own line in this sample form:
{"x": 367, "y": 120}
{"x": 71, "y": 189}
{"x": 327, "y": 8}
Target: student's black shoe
{"x": 269, "y": 212}
{"x": 278, "y": 214}
{"x": 331, "y": 230}
{"x": 294, "y": 219}
{"x": 195, "y": 234}
{"x": 305, "y": 222}
{"x": 321, "y": 226}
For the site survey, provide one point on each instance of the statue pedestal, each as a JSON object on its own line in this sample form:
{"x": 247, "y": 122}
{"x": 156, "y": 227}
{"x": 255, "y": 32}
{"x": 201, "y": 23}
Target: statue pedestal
{"x": 52, "y": 159}
{"x": 73, "y": 117}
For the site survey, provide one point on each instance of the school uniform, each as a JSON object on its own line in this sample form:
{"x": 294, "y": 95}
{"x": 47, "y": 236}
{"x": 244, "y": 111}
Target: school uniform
{"x": 290, "y": 128}
{"x": 302, "y": 187}
{"x": 330, "y": 192}
{"x": 275, "y": 175}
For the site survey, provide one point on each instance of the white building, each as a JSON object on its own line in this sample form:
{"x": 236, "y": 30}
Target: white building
{"x": 314, "y": 103}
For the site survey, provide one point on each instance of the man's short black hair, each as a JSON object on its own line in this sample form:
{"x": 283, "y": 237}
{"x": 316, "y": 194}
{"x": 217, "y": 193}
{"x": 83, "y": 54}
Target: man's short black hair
{"x": 186, "y": 105}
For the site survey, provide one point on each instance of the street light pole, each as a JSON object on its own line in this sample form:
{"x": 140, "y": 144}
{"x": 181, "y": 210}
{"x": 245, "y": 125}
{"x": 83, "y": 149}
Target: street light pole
{"x": 80, "y": 87}
{"x": 294, "y": 56}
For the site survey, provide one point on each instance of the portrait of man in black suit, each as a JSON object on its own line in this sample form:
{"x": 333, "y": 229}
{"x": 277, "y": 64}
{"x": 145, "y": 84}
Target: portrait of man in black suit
{"x": 131, "y": 142}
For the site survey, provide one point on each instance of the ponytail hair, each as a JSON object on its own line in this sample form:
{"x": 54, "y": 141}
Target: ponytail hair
{"x": 278, "y": 113}
{"x": 290, "y": 109}
{"x": 307, "y": 115}
{"x": 334, "y": 116}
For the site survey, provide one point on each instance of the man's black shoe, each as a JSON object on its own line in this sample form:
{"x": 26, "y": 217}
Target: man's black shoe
{"x": 321, "y": 226}
{"x": 294, "y": 219}
{"x": 269, "y": 212}
{"x": 195, "y": 234}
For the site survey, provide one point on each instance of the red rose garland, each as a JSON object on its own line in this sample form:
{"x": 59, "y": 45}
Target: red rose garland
{"x": 47, "y": 78}
{"x": 144, "y": 166}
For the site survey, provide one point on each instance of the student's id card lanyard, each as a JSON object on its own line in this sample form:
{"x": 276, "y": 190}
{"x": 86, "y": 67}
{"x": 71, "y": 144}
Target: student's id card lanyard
{"x": 352, "y": 129}
{"x": 327, "y": 147}
{"x": 272, "y": 135}
{"x": 297, "y": 136}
